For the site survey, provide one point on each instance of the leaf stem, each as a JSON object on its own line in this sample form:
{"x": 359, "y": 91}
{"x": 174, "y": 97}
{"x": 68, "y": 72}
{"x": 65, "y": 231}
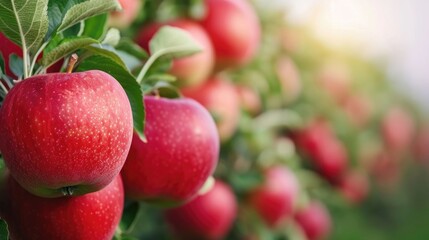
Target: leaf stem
{"x": 147, "y": 65}
{"x": 26, "y": 61}
{"x": 3, "y": 86}
{"x": 33, "y": 63}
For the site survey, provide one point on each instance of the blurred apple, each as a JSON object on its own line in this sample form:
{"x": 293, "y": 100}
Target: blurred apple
{"x": 323, "y": 149}
{"x": 209, "y": 216}
{"x": 354, "y": 187}
{"x": 181, "y": 152}
{"x": 289, "y": 78}
{"x": 276, "y": 198}
{"x": 421, "y": 145}
{"x": 250, "y": 100}
{"x": 335, "y": 79}
{"x": 314, "y": 220}
{"x": 123, "y": 18}
{"x": 234, "y": 30}
{"x": 192, "y": 70}
{"x": 219, "y": 96}
{"x": 358, "y": 109}
{"x": 398, "y": 129}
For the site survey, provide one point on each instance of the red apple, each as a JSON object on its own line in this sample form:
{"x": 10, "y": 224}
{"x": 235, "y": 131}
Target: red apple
{"x": 209, "y": 216}
{"x": 65, "y": 133}
{"x": 191, "y": 70}
{"x": 314, "y": 220}
{"x": 219, "y": 96}
{"x": 249, "y": 99}
{"x": 92, "y": 216}
{"x": 181, "y": 152}
{"x": 123, "y": 18}
{"x": 397, "y": 129}
{"x": 276, "y": 198}
{"x": 358, "y": 109}
{"x": 354, "y": 187}
{"x": 323, "y": 149}
{"x": 289, "y": 77}
{"x": 234, "y": 29}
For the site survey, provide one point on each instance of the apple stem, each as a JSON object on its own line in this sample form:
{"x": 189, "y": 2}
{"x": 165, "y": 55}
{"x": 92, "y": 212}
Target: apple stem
{"x": 72, "y": 62}
{"x": 68, "y": 191}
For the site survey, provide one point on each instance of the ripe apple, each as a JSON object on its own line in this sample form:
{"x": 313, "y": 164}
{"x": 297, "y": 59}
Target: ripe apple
{"x": 249, "y": 99}
{"x": 123, "y": 18}
{"x": 354, "y": 187}
{"x": 219, "y": 96}
{"x": 234, "y": 29}
{"x": 92, "y": 216}
{"x": 323, "y": 149}
{"x": 181, "y": 152}
{"x": 358, "y": 109}
{"x": 65, "y": 133}
{"x": 208, "y": 216}
{"x": 397, "y": 129}
{"x": 192, "y": 70}
{"x": 276, "y": 198}
{"x": 289, "y": 77}
{"x": 314, "y": 220}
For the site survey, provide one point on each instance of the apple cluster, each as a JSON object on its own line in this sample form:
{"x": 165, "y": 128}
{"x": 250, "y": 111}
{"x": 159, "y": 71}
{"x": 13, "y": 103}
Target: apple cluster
{"x": 259, "y": 134}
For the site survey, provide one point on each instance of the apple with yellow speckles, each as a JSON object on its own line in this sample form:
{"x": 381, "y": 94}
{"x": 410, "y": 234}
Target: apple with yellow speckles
{"x": 181, "y": 152}
{"x": 65, "y": 133}
{"x": 92, "y": 216}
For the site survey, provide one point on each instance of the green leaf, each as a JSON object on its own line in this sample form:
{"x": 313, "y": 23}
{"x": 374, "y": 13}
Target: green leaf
{"x": 65, "y": 47}
{"x": 4, "y": 231}
{"x": 16, "y": 65}
{"x": 73, "y": 31}
{"x": 86, "y": 10}
{"x": 106, "y": 52}
{"x": 25, "y": 22}
{"x": 130, "y": 47}
{"x": 112, "y": 37}
{"x": 2, "y": 65}
{"x": 95, "y": 27}
{"x": 127, "y": 81}
{"x": 172, "y": 42}
{"x": 56, "y": 12}
{"x": 129, "y": 216}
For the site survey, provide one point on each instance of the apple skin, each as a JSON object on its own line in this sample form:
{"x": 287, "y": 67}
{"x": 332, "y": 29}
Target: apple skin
{"x": 398, "y": 129}
{"x": 65, "y": 130}
{"x": 314, "y": 220}
{"x": 181, "y": 152}
{"x": 192, "y": 70}
{"x": 221, "y": 99}
{"x": 92, "y": 216}
{"x": 276, "y": 198}
{"x": 123, "y": 19}
{"x": 208, "y": 216}
{"x": 420, "y": 146}
{"x": 234, "y": 29}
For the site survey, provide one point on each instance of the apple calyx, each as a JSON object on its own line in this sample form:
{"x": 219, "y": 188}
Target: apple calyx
{"x": 68, "y": 191}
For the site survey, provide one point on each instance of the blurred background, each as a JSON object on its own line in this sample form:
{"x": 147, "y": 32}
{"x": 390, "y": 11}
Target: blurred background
{"x": 393, "y": 31}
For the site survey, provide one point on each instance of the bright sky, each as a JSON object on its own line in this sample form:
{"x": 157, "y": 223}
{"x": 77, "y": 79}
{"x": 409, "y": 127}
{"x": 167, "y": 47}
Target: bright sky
{"x": 397, "y": 29}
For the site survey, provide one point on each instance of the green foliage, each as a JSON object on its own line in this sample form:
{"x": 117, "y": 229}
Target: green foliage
{"x": 4, "y": 232}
